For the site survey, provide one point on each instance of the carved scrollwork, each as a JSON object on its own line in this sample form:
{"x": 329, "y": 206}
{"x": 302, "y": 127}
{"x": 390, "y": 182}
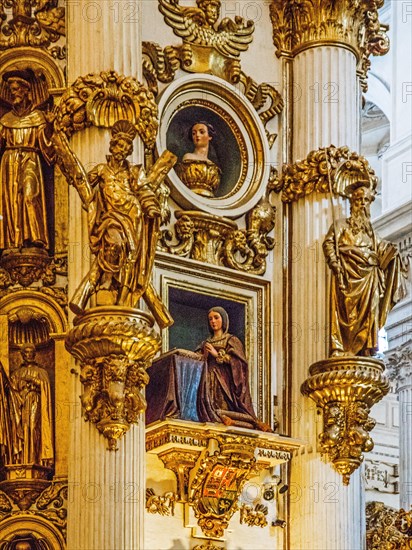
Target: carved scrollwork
{"x": 159, "y": 64}
{"x": 163, "y": 505}
{"x": 297, "y": 26}
{"x": 387, "y": 527}
{"x": 5, "y": 503}
{"x": 209, "y": 545}
{"x": 218, "y": 240}
{"x": 49, "y": 505}
{"x": 259, "y": 95}
{"x": 254, "y": 516}
{"x": 30, "y": 23}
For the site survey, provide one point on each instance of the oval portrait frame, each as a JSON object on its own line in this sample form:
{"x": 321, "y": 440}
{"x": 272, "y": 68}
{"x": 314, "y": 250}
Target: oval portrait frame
{"x": 245, "y": 141}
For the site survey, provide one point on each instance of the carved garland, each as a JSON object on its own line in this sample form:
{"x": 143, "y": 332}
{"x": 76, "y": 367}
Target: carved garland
{"x": 310, "y": 175}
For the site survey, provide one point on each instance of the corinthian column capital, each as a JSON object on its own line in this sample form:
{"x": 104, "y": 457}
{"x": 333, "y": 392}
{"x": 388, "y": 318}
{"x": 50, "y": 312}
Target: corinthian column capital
{"x": 354, "y": 24}
{"x": 399, "y": 365}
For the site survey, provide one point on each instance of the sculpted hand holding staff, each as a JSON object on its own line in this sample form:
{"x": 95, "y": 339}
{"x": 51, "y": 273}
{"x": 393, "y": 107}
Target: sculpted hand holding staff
{"x": 368, "y": 277}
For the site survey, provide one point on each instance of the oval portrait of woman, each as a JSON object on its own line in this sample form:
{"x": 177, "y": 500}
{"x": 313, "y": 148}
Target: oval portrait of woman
{"x": 209, "y": 155}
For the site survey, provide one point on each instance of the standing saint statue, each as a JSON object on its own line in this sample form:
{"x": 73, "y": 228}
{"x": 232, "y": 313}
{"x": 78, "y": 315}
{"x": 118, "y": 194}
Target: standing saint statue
{"x": 368, "y": 277}
{"x": 26, "y": 422}
{"x": 25, "y": 140}
{"x": 32, "y": 385}
{"x": 124, "y": 228}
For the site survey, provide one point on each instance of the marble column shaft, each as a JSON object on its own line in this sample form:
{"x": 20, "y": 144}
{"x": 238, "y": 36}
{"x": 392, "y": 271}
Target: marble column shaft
{"x": 106, "y": 489}
{"x": 324, "y": 513}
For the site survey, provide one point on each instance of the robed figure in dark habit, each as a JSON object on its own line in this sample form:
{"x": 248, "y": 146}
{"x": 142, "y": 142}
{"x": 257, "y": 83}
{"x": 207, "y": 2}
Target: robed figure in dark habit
{"x": 224, "y": 394}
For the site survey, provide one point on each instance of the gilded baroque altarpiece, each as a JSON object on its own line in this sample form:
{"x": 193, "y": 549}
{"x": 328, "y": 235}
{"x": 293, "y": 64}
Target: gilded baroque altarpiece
{"x": 190, "y": 230}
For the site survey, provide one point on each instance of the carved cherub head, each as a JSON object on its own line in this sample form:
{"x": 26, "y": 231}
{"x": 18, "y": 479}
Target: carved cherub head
{"x": 211, "y": 9}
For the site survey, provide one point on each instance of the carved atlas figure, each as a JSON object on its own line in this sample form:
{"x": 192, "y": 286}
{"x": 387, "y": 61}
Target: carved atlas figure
{"x": 368, "y": 276}
{"x": 124, "y": 223}
{"x": 25, "y": 140}
{"x": 224, "y": 394}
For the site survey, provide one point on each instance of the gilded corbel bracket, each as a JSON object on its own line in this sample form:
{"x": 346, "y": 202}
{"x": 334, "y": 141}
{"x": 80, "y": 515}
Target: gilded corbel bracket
{"x": 218, "y": 240}
{"x": 212, "y": 465}
{"x": 354, "y": 25}
{"x": 314, "y": 173}
{"x": 114, "y": 346}
{"x": 345, "y": 389}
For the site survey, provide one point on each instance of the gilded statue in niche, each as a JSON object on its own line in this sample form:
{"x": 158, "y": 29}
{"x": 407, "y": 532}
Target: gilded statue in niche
{"x": 25, "y": 141}
{"x": 197, "y": 171}
{"x": 368, "y": 277}
{"x": 124, "y": 228}
{"x": 26, "y": 422}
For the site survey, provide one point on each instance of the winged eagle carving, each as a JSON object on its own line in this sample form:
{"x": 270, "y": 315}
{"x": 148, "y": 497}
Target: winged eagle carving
{"x": 198, "y": 26}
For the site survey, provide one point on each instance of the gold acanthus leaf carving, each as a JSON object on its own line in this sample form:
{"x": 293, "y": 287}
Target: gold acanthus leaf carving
{"x": 254, "y": 516}
{"x": 163, "y": 505}
{"x": 30, "y": 23}
{"x": 387, "y": 527}
{"x": 310, "y": 175}
{"x": 355, "y": 24}
{"x": 104, "y": 98}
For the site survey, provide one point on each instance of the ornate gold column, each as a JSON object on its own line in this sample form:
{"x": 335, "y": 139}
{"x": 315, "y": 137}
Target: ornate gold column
{"x": 106, "y": 488}
{"x": 329, "y": 44}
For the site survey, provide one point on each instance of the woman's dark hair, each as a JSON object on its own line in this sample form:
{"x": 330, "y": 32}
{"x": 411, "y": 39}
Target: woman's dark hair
{"x": 210, "y": 129}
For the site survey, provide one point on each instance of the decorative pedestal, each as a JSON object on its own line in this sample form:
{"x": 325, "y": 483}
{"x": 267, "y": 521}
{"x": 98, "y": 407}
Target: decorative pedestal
{"x": 212, "y": 464}
{"x": 114, "y": 346}
{"x": 24, "y": 483}
{"x": 346, "y": 388}
{"x": 25, "y": 266}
